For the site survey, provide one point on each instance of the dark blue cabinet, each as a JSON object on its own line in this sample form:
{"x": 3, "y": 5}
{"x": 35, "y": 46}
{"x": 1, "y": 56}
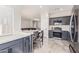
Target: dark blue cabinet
{"x": 22, "y": 45}
{"x": 65, "y": 35}
{"x": 50, "y": 34}
{"x": 18, "y": 47}
{"x": 64, "y": 20}
{"x": 51, "y": 21}
{"x": 4, "y": 50}
{"x": 27, "y": 44}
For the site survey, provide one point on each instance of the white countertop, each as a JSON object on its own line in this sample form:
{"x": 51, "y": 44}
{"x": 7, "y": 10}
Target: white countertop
{"x": 8, "y": 38}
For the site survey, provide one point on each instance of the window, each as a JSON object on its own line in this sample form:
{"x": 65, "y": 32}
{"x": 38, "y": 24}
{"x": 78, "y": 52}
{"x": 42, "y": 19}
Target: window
{"x": 5, "y": 21}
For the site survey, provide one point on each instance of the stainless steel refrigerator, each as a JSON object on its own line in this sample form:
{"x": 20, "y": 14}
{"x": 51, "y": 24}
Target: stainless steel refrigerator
{"x": 74, "y": 44}
{"x": 74, "y": 26}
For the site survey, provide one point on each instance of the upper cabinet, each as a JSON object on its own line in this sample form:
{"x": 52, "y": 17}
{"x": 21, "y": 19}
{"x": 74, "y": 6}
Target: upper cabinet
{"x": 51, "y": 21}
{"x": 66, "y": 20}
{"x": 60, "y": 20}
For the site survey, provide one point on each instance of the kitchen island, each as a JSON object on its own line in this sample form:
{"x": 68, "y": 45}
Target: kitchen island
{"x": 16, "y": 43}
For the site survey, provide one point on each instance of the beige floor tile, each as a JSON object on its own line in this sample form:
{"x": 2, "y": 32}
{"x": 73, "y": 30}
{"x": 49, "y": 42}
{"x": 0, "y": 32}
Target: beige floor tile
{"x": 54, "y": 45}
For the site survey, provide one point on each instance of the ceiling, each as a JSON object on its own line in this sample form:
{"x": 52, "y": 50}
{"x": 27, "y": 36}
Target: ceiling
{"x": 33, "y": 11}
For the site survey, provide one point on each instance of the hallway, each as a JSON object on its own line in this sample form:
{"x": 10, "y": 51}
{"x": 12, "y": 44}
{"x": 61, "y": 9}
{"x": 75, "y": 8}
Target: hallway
{"x": 54, "y": 45}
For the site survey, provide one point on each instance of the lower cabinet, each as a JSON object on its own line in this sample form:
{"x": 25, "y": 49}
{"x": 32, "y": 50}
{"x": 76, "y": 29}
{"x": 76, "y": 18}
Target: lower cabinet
{"x": 66, "y": 35}
{"x": 4, "y": 50}
{"x": 17, "y": 48}
{"x": 22, "y": 45}
{"x": 27, "y": 45}
{"x": 50, "y": 34}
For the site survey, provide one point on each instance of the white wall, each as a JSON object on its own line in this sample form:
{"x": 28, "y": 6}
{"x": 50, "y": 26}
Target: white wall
{"x": 44, "y": 22}
{"x": 26, "y": 23}
{"x": 0, "y": 29}
{"x": 17, "y": 22}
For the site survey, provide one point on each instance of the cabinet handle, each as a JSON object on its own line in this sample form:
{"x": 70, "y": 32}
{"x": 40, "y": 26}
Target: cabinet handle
{"x": 25, "y": 44}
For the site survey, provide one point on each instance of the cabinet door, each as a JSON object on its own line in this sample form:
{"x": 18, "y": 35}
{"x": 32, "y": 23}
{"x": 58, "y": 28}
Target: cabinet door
{"x": 30, "y": 44}
{"x": 68, "y": 36}
{"x": 27, "y": 44}
{"x": 64, "y": 35}
{"x": 50, "y": 33}
{"x": 17, "y": 48}
{"x": 4, "y": 51}
{"x": 50, "y": 21}
{"x": 65, "y": 20}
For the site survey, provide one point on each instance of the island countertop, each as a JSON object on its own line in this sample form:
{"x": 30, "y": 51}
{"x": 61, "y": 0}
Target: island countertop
{"x": 8, "y": 38}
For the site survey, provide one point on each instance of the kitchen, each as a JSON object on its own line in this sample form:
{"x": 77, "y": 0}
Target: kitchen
{"x": 33, "y": 28}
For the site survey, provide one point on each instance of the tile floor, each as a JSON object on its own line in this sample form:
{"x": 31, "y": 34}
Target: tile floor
{"x": 54, "y": 45}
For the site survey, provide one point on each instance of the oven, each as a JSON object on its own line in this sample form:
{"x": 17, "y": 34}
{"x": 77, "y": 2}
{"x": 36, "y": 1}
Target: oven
{"x": 57, "y": 32}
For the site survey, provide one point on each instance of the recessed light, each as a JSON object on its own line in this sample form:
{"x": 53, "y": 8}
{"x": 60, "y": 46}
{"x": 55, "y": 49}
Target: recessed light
{"x": 41, "y": 6}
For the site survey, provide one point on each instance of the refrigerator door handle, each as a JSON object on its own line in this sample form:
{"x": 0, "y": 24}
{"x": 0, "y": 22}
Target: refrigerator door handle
{"x": 75, "y": 27}
{"x": 70, "y": 27}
